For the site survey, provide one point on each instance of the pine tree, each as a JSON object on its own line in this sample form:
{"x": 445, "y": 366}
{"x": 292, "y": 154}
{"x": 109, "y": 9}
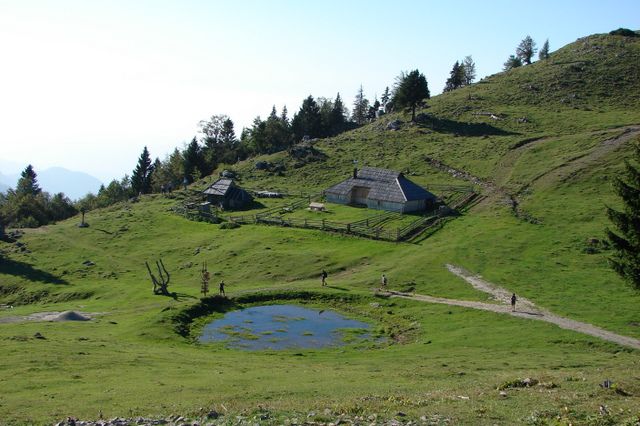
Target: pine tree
{"x": 193, "y": 161}
{"x": 526, "y": 49}
{"x": 512, "y": 62}
{"x": 28, "y": 182}
{"x": 626, "y": 242}
{"x": 544, "y": 52}
{"x": 283, "y": 117}
{"x": 469, "y": 70}
{"x": 360, "y": 107}
{"x": 141, "y": 176}
{"x": 456, "y": 78}
{"x": 411, "y": 89}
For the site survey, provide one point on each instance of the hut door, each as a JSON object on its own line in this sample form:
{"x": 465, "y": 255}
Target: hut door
{"x": 359, "y": 195}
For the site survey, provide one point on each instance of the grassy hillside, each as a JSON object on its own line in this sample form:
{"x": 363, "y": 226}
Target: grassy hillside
{"x": 560, "y": 131}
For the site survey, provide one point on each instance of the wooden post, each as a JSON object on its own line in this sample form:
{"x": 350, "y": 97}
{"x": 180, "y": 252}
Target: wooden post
{"x": 323, "y": 223}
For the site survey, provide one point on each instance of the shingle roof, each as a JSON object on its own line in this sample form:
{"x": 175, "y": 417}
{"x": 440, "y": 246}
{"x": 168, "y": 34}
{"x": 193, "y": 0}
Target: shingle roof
{"x": 219, "y": 187}
{"x": 383, "y": 185}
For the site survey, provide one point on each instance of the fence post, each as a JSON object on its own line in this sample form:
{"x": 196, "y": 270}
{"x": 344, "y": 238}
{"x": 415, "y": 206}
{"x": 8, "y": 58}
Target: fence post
{"x": 323, "y": 223}
{"x": 397, "y": 234}
{"x": 348, "y": 228}
{"x": 305, "y": 223}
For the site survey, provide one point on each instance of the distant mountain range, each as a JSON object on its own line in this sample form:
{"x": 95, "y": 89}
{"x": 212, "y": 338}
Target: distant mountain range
{"x": 57, "y": 179}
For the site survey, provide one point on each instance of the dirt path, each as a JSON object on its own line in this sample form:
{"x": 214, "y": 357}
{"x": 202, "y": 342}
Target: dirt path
{"x": 525, "y": 308}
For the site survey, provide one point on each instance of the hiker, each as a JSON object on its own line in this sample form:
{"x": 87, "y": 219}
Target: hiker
{"x": 324, "y": 275}
{"x": 384, "y": 281}
{"x": 513, "y": 302}
{"x": 222, "y": 288}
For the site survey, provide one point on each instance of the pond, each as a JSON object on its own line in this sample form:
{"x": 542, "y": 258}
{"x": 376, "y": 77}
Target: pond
{"x": 284, "y": 327}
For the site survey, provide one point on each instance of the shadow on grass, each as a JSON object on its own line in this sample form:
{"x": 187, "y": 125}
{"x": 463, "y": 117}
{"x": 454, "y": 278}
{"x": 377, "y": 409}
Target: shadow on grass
{"x": 180, "y": 296}
{"x": 337, "y": 288}
{"x": 444, "y": 125}
{"x": 24, "y": 270}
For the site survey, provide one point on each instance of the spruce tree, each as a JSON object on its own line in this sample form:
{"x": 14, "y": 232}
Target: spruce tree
{"x": 28, "y": 182}
{"x": 141, "y": 176}
{"x": 456, "y": 78}
{"x": 193, "y": 161}
{"x": 360, "y": 107}
{"x": 626, "y": 241}
{"x": 411, "y": 89}
{"x": 544, "y": 52}
{"x": 307, "y": 122}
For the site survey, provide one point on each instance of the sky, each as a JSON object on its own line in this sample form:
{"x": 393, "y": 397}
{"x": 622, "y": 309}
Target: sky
{"x": 86, "y": 84}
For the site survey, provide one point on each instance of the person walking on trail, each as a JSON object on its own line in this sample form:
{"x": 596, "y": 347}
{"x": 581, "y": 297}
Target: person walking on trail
{"x": 324, "y": 275}
{"x": 384, "y": 281}
{"x": 222, "y": 288}
{"x": 514, "y": 299}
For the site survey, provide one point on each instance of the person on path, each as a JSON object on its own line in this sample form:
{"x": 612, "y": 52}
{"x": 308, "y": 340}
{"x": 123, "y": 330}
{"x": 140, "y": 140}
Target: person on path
{"x": 384, "y": 281}
{"x": 222, "y": 288}
{"x": 324, "y": 275}
{"x": 514, "y": 299}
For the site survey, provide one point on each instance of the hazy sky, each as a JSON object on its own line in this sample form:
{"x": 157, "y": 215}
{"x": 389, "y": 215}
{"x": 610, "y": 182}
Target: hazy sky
{"x": 86, "y": 84}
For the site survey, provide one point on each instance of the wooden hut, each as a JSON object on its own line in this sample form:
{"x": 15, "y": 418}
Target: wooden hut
{"x": 225, "y": 194}
{"x": 380, "y": 189}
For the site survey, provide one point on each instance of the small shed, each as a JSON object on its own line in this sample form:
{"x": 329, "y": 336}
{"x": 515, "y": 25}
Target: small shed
{"x": 380, "y": 189}
{"x": 225, "y": 194}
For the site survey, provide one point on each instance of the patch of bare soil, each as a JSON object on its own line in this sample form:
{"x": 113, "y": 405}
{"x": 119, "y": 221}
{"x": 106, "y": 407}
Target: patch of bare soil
{"x": 50, "y": 316}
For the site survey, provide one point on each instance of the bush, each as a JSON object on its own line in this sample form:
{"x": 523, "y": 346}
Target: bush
{"x": 624, "y": 32}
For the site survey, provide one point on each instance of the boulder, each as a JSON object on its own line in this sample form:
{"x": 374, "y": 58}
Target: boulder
{"x": 394, "y": 125}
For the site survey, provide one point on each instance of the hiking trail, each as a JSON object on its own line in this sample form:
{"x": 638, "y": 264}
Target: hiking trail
{"x": 524, "y": 308}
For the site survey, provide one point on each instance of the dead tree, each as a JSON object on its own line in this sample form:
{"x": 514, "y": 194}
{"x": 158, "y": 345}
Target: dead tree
{"x": 159, "y": 285}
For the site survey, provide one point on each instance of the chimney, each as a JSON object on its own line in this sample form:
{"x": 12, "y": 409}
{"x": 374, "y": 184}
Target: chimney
{"x": 355, "y": 173}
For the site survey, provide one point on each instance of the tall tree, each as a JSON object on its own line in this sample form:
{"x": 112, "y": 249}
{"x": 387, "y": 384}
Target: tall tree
{"x": 228, "y": 134}
{"x": 360, "y": 107}
{"x": 194, "y": 163}
{"x": 469, "y": 70}
{"x": 526, "y": 49}
{"x": 28, "y": 182}
{"x": 512, "y": 62}
{"x": 385, "y": 96}
{"x": 141, "y": 176}
{"x": 284, "y": 116}
{"x": 626, "y": 241}
{"x": 307, "y": 122}
{"x": 337, "y": 120}
{"x": 411, "y": 89}
{"x": 544, "y": 51}
{"x": 212, "y": 129}
{"x": 456, "y": 78}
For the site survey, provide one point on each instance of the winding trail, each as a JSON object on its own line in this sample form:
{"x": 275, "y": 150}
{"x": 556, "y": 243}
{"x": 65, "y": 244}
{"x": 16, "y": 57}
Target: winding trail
{"x": 525, "y": 308}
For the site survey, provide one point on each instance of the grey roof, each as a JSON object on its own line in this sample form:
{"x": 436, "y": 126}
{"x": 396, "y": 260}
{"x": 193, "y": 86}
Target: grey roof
{"x": 219, "y": 187}
{"x": 383, "y": 185}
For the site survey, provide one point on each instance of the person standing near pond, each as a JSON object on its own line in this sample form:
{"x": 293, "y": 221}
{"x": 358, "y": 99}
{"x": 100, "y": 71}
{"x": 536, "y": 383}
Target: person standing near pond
{"x": 324, "y": 275}
{"x": 222, "y": 288}
{"x": 514, "y": 299}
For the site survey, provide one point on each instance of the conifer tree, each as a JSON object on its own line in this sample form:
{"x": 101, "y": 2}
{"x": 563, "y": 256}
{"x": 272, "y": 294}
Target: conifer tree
{"x": 360, "y": 107}
{"x": 626, "y": 241}
{"x": 194, "y": 163}
{"x": 385, "y": 96}
{"x": 512, "y": 62}
{"x": 28, "y": 182}
{"x": 307, "y": 122}
{"x": 284, "y": 117}
{"x": 456, "y": 78}
{"x": 526, "y": 49}
{"x": 544, "y": 51}
{"x": 141, "y": 176}
{"x": 411, "y": 89}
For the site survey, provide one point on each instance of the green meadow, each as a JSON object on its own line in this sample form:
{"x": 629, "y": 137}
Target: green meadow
{"x": 139, "y": 355}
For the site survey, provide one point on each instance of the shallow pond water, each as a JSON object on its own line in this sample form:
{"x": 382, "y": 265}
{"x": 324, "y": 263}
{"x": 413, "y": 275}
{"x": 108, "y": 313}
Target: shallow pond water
{"x": 284, "y": 327}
